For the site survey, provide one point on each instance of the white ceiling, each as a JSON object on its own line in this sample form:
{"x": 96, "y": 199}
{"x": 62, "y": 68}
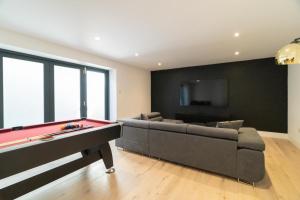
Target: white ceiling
{"x": 175, "y": 32}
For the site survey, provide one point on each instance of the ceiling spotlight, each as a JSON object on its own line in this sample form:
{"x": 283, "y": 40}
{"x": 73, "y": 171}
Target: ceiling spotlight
{"x": 236, "y": 34}
{"x": 136, "y": 54}
{"x": 159, "y": 64}
{"x": 97, "y": 38}
{"x": 236, "y": 53}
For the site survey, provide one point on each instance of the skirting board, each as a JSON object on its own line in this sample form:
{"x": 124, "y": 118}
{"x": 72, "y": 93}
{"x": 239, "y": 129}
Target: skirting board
{"x": 295, "y": 142}
{"x": 280, "y": 136}
{"x": 273, "y": 135}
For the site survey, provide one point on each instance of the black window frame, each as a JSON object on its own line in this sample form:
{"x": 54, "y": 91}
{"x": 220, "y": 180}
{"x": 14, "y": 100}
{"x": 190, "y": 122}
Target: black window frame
{"x": 49, "y": 63}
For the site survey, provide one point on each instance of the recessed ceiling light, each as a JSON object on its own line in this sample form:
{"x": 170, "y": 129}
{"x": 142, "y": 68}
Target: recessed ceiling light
{"x": 136, "y": 54}
{"x": 97, "y": 38}
{"x": 159, "y": 64}
{"x": 236, "y": 53}
{"x": 237, "y": 34}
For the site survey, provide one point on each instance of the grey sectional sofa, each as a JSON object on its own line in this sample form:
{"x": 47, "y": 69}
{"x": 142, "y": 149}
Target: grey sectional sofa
{"x": 229, "y": 152}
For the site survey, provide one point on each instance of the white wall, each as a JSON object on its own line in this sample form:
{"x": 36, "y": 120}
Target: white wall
{"x": 132, "y": 88}
{"x": 294, "y": 104}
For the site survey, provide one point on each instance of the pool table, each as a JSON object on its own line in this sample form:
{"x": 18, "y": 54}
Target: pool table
{"x": 24, "y": 148}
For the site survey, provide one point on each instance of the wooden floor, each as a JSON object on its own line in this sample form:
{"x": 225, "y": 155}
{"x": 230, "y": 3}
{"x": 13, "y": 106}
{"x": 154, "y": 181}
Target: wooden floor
{"x": 139, "y": 177}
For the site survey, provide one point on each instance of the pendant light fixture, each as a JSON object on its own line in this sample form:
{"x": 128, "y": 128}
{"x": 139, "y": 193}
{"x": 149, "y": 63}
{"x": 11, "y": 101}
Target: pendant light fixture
{"x": 289, "y": 54}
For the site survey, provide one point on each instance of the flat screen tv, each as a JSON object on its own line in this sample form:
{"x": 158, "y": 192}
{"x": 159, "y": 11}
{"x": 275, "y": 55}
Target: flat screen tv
{"x": 204, "y": 93}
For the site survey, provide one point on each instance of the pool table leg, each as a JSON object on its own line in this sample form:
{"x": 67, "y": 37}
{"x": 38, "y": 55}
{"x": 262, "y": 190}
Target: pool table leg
{"x": 105, "y": 152}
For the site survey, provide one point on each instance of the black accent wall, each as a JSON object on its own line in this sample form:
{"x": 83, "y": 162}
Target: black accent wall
{"x": 257, "y": 92}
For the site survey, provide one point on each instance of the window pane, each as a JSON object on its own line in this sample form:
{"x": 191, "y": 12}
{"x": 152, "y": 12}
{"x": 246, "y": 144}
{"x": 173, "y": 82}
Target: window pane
{"x": 95, "y": 95}
{"x": 23, "y": 92}
{"x": 66, "y": 93}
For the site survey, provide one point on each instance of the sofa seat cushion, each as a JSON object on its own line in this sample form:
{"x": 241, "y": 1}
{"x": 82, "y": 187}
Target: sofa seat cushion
{"x": 211, "y": 124}
{"x": 214, "y": 132}
{"x": 236, "y": 124}
{"x": 250, "y": 140}
{"x": 247, "y": 130}
{"x": 175, "y": 121}
{"x": 156, "y": 119}
{"x": 171, "y": 127}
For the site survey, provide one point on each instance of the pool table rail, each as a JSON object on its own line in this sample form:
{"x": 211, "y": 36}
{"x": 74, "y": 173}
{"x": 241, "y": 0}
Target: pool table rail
{"x": 92, "y": 143}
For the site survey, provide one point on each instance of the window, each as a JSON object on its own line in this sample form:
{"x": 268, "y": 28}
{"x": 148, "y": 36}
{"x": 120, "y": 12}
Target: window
{"x": 34, "y": 90}
{"x": 66, "y": 93}
{"x": 95, "y": 95}
{"x": 23, "y": 92}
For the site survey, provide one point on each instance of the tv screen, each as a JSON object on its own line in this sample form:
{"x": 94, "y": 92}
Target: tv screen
{"x": 204, "y": 93}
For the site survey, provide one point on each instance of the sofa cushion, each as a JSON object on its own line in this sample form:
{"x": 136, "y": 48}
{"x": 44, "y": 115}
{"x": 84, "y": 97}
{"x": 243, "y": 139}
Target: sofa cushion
{"x": 158, "y": 119}
{"x": 198, "y": 123}
{"x": 180, "y": 128}
{"x": 154, "y": 114}
{"x": 135, "y": 123}
{"x": 175, "y": 121}
{"x": 236, "y": 124}
{"x": 146, "y": 116}
{"x": 214, "y": 132}
{"x": 247, "y": 130}
{"x": 211, "y": 124}
{"x": 251, "y": 140}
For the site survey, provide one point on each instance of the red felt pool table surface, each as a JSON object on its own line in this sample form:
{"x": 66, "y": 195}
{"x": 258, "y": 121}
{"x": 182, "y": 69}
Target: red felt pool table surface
{"x": 10, "y": 135}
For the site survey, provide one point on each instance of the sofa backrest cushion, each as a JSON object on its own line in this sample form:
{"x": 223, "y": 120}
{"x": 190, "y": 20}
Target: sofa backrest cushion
{"x": 157, "y": 119}
{"x": 214, "y": 132}
{"x": 135, "y": 123}
{"x": 179, "y": 128}
{"x": 236, "y": 124}
{"x": 147, "y": 116}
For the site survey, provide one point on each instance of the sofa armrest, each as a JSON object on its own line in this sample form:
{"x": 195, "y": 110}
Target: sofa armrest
{"x": 223, "y": 133}
{"x": 250, "y": 165}
{"x": 251, "y": 140}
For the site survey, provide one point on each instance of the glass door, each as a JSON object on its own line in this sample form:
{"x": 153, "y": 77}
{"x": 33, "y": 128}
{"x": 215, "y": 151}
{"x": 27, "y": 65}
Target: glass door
{"x": 66, "y": 93}
{"x": 95, "y": 82}
{"x": 23, "y": 92}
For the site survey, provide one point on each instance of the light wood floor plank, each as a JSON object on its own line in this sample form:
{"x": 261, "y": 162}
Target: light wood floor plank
{"x": 140, "y": 177}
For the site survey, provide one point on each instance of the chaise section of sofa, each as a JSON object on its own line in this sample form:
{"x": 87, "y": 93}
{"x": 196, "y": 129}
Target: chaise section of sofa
{"x": 212, "y": 149}
{"x": 251, "y": 160}
{"x": 238, "y": 154}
